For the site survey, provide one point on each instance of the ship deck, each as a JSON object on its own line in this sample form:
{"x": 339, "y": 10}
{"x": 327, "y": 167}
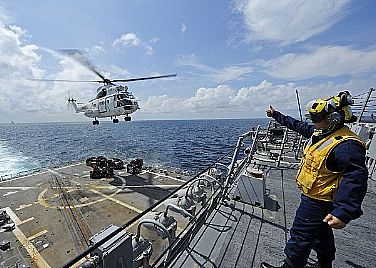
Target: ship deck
{"x": 241, "y": 235}
{"x": 57, "y": 210}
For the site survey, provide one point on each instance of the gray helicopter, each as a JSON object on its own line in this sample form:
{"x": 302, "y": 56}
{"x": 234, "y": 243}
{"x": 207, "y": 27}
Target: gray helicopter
{"x": 111, "y": 100}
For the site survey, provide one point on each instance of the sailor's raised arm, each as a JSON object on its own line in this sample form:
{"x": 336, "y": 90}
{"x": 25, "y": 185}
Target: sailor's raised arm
{"x": 302, "y": 128}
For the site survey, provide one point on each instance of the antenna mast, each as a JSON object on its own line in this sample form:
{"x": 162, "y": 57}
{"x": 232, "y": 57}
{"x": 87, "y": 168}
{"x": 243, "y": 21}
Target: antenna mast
{"x": 300, "y": 110}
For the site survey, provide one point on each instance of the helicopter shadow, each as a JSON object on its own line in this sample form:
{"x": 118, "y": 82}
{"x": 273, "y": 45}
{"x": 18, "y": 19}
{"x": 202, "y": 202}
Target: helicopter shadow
{"x": 143, "y": 185}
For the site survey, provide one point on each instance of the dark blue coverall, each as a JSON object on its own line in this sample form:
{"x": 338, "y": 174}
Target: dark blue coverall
{"x": 308, "y": 230}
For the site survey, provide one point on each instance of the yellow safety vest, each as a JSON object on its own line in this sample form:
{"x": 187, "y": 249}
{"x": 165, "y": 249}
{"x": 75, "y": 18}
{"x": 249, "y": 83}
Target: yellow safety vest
{"x": 314, "y": 178}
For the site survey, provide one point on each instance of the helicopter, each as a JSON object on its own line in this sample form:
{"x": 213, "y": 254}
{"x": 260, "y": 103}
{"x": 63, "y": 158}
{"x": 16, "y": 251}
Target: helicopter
{"x": 111, "y": 100}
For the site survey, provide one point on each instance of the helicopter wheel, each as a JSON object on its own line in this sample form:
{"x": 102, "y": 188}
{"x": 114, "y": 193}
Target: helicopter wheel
{"x": 95, "y": 122}
{"x": 115, "y": 120}
{"x": 127, "y": 118}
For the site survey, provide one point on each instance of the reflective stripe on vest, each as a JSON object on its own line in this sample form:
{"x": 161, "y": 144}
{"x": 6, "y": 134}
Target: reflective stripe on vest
{"x": 313, "y": 178}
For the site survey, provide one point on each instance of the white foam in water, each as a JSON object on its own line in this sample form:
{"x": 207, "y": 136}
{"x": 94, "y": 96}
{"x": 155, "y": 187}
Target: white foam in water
{"x": 13, "y": 162}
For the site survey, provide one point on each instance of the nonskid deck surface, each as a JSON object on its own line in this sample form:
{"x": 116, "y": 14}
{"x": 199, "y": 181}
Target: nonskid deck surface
{"x": 57, "y": 210}
{"x": 239, "y": 235}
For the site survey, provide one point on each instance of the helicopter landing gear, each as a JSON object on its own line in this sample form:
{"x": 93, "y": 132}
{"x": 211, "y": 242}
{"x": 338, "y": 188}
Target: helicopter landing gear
{"x": 127, "y": 118}
{"x": 95, "y": 122}
{"x": 115, "y": 120}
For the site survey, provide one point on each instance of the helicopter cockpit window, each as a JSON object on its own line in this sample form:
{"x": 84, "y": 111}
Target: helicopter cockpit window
{"x": 129, "y": 96}
{"x": 101, "y": 93}
{"x": 124, "y": 102}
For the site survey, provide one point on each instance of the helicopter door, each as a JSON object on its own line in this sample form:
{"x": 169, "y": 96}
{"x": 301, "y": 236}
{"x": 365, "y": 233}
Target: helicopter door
{"x": 108, "y": 106}
{"x": 102, "y": 106}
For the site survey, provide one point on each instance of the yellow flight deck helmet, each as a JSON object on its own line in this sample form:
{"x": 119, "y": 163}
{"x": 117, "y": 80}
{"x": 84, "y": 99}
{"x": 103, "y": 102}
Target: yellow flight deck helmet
{"x": 334, "y": 108}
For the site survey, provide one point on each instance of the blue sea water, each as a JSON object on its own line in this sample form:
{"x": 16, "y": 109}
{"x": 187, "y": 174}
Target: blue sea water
{"x": 189, "y": 145}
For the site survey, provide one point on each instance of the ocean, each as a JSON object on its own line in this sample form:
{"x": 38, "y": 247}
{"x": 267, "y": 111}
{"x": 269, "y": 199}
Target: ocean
{"x": 187, "y": 145}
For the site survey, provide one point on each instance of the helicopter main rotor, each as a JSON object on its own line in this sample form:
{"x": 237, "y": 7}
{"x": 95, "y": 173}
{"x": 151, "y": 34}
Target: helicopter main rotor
{"x": 82, "y": 59}
{"x": 105, "y": 81}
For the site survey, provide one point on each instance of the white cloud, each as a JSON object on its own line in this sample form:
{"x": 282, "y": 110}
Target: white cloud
{"x": 119, "y": 72}
{"x": 329, "y": 61}
{"x": 229, "y": 73}
{"x": 50, "y": 100}
{"x": 97, "y": 49}
{"x": 18, "y": 30}
{"x": 208, "y": 98}
{"x": 192, "y": 61}
{"x": 246, "y": 102}
{"x": 161, "y": 104}
{"x": 5, "y": 17}
{"x": 218, "y": 75}
{"x": 23, "y": 100}
{"x": 205, "y": 100}
{"x": 18, "y": 61}
{"x": 290, "y": 21}
{"x": 149, "y": 50}
{"x": 154, "y": 40}
{"x": 127, "y": 39}
{"x": 131, "y": 39}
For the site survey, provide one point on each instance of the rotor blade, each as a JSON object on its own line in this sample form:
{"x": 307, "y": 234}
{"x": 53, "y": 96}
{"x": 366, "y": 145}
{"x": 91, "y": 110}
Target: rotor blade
{"x": 64, "y": 80}
{"x": 80, "y": 57}
{"x": 143, "y": 78}
{"x": 69, "y": 106}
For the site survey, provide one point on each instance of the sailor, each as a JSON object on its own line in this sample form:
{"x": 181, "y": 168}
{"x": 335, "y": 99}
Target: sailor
{"x": 332, "y": 178}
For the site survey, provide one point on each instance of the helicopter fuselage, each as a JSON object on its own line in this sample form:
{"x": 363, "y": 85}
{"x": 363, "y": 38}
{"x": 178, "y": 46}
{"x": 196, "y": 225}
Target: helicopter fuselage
{"x": 111, "y": 101}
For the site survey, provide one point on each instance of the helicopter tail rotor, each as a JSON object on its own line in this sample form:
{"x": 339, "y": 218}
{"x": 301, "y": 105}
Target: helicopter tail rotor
{"x": 71, "y": 103}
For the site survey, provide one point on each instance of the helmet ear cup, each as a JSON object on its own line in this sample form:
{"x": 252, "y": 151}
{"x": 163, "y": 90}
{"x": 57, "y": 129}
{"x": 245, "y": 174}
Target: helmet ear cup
{"x": 335, "y": 118}
{"x": 345, "y": 98}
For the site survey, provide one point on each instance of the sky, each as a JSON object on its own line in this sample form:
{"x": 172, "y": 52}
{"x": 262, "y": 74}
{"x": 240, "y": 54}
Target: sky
{"x": 232, "y": 58}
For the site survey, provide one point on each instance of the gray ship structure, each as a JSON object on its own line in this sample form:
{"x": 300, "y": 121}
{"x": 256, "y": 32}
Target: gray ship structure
{"x": 236, "y": 213}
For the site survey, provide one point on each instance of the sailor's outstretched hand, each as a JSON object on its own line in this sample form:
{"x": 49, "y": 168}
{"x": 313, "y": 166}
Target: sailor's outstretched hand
{"x": 270, "y": 111}
{"x": 334, "y": 222}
